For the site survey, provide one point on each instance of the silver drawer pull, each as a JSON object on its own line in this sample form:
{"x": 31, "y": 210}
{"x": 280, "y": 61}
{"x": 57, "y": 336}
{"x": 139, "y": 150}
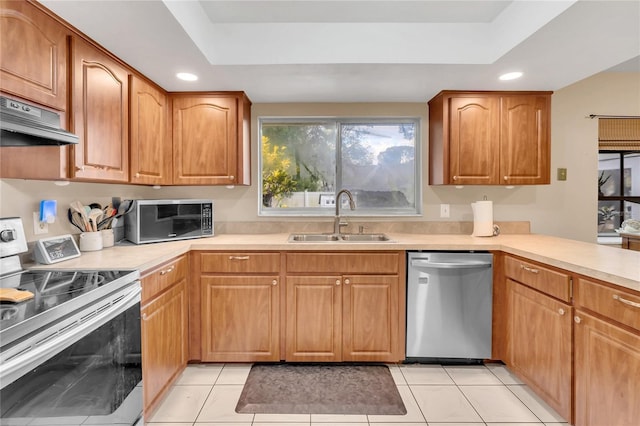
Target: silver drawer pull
{"x": 238, "y": 257}
{"x": 561, "y": 311}
{"x": 577, "y": 319}
{"x": 532, "y": 270}
{"x": 274, "y": 282}
{"x": 166, "y": 271}
{"x": 337, "y": 282}
{"x": 626, "y": 302}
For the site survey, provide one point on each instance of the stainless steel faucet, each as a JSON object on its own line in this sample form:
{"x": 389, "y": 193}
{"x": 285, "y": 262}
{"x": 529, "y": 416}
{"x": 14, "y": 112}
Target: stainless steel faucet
{"x": 338, "y": 222}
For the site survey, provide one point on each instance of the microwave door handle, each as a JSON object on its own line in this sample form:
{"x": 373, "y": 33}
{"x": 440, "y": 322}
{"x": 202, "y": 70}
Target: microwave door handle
{"x": 16, "y": 367}
{"x": 449, "y": 265}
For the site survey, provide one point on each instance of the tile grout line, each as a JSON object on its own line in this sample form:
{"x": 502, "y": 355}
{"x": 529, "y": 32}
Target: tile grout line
{"x": 464, "y": 395}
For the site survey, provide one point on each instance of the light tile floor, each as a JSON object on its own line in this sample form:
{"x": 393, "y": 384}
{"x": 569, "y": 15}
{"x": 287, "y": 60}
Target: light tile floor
{"x": 434, "y": 395}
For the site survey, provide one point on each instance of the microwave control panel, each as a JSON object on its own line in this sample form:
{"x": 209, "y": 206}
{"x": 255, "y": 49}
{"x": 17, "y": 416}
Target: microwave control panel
{"x": 207, "y": 219}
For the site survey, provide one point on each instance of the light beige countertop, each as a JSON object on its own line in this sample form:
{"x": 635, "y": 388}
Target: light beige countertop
{"x": 615, "y": 265}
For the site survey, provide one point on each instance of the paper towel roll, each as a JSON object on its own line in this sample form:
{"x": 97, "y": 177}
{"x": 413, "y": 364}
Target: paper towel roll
{"x": 482, "y": 218}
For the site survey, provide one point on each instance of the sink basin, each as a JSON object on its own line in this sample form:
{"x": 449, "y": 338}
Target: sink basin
{"x": 312, "y": 238}
{"x": 332, "y": 238}
{"x": 364, "y": 238}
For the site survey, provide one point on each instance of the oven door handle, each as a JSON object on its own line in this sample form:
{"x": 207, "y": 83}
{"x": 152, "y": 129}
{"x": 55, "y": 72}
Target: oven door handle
{"x": 87, "y": 321}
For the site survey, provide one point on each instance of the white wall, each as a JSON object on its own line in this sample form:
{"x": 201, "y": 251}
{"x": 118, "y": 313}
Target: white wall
{"x": 565, "y": 209}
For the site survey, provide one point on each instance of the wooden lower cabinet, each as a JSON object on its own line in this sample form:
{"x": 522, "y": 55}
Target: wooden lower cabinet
{"x": 164, "y": 342}
{"x": 314, "y": 318}
{"x": 607, "y": 373}
{"x": 342, "y": 318}
{"x": 240, "y": 318}
{"x": 539, "y": 342}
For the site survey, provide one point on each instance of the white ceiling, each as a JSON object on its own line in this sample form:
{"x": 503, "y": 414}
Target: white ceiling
{"x": 362, "y": 50}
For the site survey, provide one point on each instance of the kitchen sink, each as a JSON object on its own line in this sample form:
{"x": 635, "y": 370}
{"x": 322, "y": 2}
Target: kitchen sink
{"x": 313, "y": 238}
{"x": 364, "y": 238}
{"x": 333, "y": 238}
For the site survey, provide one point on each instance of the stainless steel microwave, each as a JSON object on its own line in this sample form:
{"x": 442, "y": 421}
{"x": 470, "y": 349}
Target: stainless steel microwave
{"x": 151, "y": 221}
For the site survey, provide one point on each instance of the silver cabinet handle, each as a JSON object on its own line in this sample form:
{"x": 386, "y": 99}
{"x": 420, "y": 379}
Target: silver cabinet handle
{"x": 528, "y": 269}
{"x": 455, "y": 178}
{"x": 506, "y": 178}
{"x": 337, "y": 282}
{"x": 274, "y": 282}
{"x": 347, "y": 282}
{"x": 137, "y": 175}
{"x": 144, "y": 317}
{"x": 239, "y": 257}
{"x": 626, "y": 302}
{"x": 166, "y": 271}
{"x": 577, "y": 319}
{"x": 232, "y": 177}
{"x": 561, "y": 311}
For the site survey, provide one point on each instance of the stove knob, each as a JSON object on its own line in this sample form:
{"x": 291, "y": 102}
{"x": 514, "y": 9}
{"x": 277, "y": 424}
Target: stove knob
{"x": 7, "y": 235}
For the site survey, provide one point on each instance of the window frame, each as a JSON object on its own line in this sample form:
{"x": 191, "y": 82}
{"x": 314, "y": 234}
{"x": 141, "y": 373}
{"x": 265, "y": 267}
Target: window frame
{"x": 338, "y": 121}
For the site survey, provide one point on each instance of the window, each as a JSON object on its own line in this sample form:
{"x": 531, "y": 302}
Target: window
{"x": 305, "y": 162}
{"x": 618, "y": 172}
{"x": 618, "y": 189}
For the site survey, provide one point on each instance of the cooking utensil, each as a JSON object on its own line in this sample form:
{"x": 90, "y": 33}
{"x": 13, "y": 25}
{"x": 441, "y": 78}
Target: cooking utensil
{"x": 95, "y": 216}
{"x": 95, "y": 206}
{"x": 79, "y": 208}
{"x": 75, "y": 219}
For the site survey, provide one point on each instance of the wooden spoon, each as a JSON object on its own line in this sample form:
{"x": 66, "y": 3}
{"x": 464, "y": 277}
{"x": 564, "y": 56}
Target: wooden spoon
{"x": 79, "y": 208}
{"x": 95, "y": 215}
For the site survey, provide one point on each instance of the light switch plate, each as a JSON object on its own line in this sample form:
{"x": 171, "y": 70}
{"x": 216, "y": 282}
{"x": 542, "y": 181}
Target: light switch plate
{"x": 444, "y": 210}
{"x": 562, "y": 173}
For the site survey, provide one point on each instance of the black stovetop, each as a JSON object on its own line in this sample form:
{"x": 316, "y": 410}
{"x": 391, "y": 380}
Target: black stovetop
{"x": 54, "y": 290}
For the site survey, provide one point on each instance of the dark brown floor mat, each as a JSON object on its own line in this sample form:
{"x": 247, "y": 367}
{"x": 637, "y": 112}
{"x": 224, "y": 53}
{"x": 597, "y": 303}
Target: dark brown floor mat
{"x": 320, "y": 389}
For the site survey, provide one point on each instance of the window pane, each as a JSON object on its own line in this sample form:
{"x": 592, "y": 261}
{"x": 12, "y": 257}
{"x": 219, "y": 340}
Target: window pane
{"x": 608, "y": 174}
{"x": 631, "y": 210}
{"x": 298, "y": 163}
{"x": 608, "y": 217}
{"x": 631, "y": 174}
{"x": 378, "y": 164}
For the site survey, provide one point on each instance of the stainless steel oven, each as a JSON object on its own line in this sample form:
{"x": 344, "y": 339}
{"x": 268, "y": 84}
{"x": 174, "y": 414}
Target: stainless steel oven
{"x": 71, "y": 354}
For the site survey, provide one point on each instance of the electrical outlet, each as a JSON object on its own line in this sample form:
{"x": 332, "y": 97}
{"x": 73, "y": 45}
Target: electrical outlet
{"x": 39, "y": 227}
{"x": 444, "y": 210}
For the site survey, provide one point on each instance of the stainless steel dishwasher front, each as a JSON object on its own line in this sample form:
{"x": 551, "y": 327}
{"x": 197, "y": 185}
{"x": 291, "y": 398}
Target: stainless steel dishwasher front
{"x": 449, "y": 304}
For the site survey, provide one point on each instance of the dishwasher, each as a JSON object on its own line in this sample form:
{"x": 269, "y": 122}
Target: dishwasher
{"x": 449, "y": 307}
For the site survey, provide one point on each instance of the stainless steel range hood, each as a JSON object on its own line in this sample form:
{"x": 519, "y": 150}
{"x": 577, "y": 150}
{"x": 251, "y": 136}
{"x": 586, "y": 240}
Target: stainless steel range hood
{"x": 23, "y": 124}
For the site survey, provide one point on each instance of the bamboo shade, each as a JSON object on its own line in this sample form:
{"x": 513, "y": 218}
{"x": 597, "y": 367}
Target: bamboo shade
{"x": 619, "y": 134}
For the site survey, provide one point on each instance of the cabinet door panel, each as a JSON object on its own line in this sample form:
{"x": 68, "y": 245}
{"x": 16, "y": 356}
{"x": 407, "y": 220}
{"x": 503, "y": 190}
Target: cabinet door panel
{"x": 164, "y": 341}
{"x": 240, "y": 318}
{"x": 539, "y": 341}
{"x": 150, "y": 144}
{"x": 370, "y": 316}
{"x": 474, "y": 132}
{"x": 607, "y": 368}
{"x": 205, "y": 137}
{"x": 33, "y": 63}
{"x": 524, "y": 156}
{"x": 100, "y": 111}
{"x": 314, "y": 318}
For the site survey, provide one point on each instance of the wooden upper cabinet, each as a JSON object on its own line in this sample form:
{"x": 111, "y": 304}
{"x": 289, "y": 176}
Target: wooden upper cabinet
{"x": 33, "y": 55}
{"x": 525, "y": 143}
{"x": 474, "y": 131}
{"x": 100, "y": 108}
{"x": 211, "y": 139}
{"x": 489, "y": 138}
{"x": 151, "y": 151}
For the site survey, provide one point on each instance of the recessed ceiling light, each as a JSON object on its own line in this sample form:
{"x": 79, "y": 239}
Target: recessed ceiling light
{"x": 186, "y": 76}
{"x": 510, "y": 76}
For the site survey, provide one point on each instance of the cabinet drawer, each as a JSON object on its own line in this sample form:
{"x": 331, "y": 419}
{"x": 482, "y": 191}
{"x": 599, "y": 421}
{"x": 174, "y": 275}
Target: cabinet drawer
{"x": 164, "y": 277}
{"x": 621, "y": 306}
{"x": 548, "y": 281}
{"x": 240, "y": 262}
{"x": 344, "y": 263}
